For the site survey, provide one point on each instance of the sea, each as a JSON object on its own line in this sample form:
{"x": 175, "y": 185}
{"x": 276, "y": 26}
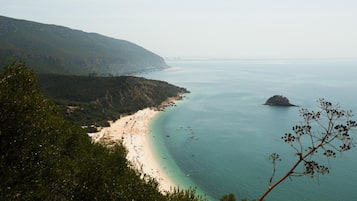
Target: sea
{"x": 218, "y": 139}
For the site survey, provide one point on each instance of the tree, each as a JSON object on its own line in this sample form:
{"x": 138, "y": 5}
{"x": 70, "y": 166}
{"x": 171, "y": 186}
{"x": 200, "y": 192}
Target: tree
{"x": 38, "y": 148}
{"x": 44, "y": 157}
{"x": 309, "y": 143}
{"x": 229, "y": 197}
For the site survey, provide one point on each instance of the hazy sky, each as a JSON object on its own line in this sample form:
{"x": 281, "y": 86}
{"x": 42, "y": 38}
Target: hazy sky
{"x": 209, "y": 28}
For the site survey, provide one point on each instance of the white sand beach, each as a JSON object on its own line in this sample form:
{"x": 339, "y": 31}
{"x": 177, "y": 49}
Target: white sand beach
{"x": 134, "y": 131}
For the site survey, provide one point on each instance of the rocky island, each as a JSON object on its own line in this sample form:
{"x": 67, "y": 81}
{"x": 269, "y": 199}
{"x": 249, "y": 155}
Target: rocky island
{"x": 278, "y": 100}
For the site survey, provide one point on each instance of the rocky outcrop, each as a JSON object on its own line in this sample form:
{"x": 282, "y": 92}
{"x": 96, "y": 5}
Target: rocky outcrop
{"x": 278, "y": 100}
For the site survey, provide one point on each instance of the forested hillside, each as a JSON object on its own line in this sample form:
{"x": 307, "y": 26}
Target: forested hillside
{"x": 53, "y": 49}
{"x": 95, "y": 100}
{"x": 44, "y": 157}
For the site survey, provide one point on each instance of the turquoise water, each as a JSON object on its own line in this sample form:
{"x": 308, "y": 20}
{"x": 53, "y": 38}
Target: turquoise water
{"x": 220, "y": 136}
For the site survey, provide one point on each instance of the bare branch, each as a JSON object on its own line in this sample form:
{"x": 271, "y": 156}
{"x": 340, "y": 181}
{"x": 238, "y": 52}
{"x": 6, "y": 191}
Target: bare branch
{"x": 335, "y": 137}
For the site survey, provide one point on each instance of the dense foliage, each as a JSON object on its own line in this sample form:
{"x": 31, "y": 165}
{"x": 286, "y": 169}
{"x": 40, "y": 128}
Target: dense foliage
{"x": 61, "y": 50}
{"x": 95, "y": 100}
{"x": 44, "y": 157}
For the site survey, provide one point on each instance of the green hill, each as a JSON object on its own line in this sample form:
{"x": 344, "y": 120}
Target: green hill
{"x": 95, "y": 100}
{"x": 53, "y": 49}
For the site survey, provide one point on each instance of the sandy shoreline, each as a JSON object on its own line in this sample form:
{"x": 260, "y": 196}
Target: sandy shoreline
{"x": 134, "y": 132}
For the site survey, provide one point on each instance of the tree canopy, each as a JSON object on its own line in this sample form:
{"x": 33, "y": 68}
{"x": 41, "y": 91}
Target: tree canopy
{"x": 44, "y": 157}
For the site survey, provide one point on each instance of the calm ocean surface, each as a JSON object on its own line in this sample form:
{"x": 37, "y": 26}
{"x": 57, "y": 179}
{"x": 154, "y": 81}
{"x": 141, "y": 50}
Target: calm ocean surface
{"x": 219, "y": 138}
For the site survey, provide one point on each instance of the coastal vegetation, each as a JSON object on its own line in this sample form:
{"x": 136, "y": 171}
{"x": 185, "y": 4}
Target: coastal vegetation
{"x": 52, "y": 49}
{"x": 92, "y": 101}
{"x": 45, "y": 157}
{"x": 101, "y": 93}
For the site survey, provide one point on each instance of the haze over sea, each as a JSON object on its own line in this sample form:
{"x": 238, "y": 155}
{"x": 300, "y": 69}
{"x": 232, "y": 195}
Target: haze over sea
{"x": 220, "y": 136}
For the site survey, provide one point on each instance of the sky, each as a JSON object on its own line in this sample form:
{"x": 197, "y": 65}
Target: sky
{"x": 236, "y": 29}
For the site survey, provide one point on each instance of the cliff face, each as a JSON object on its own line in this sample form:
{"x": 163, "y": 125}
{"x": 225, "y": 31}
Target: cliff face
{"x": 278, "y": 100}
{"x": 60, "y": 50}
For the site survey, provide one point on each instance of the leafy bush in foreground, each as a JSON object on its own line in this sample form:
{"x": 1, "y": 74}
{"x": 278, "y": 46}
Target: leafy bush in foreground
{"x": 44, "y": 157}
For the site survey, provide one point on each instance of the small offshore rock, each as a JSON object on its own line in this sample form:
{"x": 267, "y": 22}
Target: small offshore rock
{"x": 278, "y": 100}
